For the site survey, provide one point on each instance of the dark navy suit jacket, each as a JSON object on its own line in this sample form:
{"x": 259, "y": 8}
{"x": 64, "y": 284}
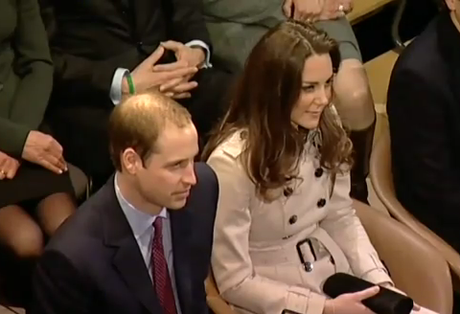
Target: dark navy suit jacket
{"x": 93, "y": 263}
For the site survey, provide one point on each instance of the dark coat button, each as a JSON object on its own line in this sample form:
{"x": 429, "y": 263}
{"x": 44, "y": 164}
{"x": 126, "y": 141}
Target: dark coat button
{"x": 1, "y": 87}
{"x": 319, "y": 172}
{"x": 321, "y": 203}
{"x": 293, "y": 220}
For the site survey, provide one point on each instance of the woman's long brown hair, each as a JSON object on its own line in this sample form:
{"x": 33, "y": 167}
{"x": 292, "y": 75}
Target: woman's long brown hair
{"x": 262, "y": 104}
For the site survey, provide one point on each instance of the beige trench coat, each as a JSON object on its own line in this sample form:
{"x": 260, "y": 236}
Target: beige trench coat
{"x": 255, "y": 260}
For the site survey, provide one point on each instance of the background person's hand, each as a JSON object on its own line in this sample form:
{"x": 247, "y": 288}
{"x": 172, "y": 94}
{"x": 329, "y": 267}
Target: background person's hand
{"x": 8, "y": 166}
{"x": 192, "y": 56}
{"x": 303, "y": 10}
{"x": 42, "y": 149}
{"x": 334, "y": 9}
{"x": 145, "y": 78}
{"x": 180, "y": 88}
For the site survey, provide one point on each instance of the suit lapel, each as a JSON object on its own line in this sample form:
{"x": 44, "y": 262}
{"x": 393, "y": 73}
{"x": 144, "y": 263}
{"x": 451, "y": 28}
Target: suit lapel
{"x": 127, "y": 259}
{"x": 449, "y": 45}
{"x": 181, "y": 237}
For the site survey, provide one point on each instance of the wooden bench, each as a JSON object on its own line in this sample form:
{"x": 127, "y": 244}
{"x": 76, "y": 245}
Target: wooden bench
{"x": 364, "y": 8}
{"x": 379, "y": 71}
{"x": 4, "y": 310}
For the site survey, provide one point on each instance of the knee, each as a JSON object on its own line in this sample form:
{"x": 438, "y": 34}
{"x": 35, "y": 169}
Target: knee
{"x": 27, "y": 244}
{"x": 54, "y": 210}
{"x": 354, "y": 96}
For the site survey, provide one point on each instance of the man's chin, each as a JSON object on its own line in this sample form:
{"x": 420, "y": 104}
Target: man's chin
{"x": 179, "y": 204}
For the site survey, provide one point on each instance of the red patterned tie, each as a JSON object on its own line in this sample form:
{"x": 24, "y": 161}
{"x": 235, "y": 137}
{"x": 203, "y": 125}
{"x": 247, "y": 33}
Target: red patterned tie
{"x": 162, "y": 282}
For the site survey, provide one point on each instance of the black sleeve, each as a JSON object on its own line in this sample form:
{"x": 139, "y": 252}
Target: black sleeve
{"x": 58, "y": 287}
{"x": 421, "y": 148}
{"x": 186, "y": 21}
{"x": 74, "y": 75}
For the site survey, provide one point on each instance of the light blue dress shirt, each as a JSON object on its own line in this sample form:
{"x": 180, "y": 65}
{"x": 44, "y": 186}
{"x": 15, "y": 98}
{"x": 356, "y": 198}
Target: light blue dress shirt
{"x": 142, "y": 226}
{"x": 120, "y": 73}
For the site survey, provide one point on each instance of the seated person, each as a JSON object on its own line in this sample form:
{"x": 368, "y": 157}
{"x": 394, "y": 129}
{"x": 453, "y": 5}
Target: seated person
{"x": 424, "y": 115}
{"x": 95, "y": 45}
{"x": 236, "y": 26}
{"x": 133, "y": 247}
{"x": 36, "y": 194}
{"x": 282, "y": 160}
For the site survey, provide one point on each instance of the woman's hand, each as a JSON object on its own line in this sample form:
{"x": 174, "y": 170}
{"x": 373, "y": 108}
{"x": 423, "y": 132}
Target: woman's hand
{"x": 8, "y": 166}
{"x": 350, "y": 303}
{"x": 44, "y": 150}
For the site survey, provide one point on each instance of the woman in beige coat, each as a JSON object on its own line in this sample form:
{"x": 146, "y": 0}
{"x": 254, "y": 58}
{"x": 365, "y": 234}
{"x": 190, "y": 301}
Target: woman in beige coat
{"x": 285, "y": 221}
{"x": 235, "y": 26}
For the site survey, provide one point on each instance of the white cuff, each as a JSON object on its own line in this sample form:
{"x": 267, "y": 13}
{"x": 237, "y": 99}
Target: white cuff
{"x": 116, "y": 87}
{"x": 200, "y": 43}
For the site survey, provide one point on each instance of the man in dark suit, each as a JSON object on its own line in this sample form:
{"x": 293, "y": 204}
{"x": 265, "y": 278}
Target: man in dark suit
{"x": 424, "y": 115}
{"x": 97, "y": 46}
{"x": 142, "y": 244}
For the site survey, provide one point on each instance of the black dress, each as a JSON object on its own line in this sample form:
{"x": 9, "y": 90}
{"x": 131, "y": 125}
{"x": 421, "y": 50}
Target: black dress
{"x": 33, "y": 183}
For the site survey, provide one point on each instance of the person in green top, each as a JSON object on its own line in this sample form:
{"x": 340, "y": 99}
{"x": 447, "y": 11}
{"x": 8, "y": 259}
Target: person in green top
{"x": 236, "y": 26}
{"x": 34, "y": 181}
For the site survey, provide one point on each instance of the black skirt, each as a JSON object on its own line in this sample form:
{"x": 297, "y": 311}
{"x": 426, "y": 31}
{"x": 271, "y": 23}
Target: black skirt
{"x": 33, "y": 183}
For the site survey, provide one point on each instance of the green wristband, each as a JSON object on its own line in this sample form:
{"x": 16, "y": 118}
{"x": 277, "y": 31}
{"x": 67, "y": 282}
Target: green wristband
{"x": 132, "y": 89}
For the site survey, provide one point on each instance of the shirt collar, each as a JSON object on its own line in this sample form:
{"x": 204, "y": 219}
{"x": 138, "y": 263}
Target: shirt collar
{"x": 139, "y": 221}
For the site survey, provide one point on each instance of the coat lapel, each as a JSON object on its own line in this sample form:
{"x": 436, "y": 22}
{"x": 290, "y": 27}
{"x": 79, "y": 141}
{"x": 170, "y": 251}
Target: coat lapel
{"x": 127, "y": 259}
{"x": 181, "y": 237}
{"x": 449, "y": 46}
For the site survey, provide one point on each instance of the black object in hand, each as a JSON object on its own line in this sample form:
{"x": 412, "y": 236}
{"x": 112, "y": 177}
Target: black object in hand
{"x": 384, "y": 302}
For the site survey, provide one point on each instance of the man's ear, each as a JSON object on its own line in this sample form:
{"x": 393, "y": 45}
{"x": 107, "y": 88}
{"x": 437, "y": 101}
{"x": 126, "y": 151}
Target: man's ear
{"x": 130, "y": 161}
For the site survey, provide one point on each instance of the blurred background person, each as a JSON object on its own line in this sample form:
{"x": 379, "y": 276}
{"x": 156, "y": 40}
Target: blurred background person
{"x": 36, "y": 194}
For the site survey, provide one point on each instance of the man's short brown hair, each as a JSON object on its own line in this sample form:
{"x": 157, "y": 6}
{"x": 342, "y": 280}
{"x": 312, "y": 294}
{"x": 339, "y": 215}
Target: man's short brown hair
{"x": 138, "y": 122}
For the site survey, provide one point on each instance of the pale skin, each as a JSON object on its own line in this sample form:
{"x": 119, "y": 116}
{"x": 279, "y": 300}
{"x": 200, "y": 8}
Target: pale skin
{"x": 166, "y": 177}
{"x": 313, "y": 10}
{"x": 315, "y": 96}
{"x": 454, "y": 7}
{"x": 173, "y": 79}
{"x": 316, "y": 93}
{"x": 354, "y": 99}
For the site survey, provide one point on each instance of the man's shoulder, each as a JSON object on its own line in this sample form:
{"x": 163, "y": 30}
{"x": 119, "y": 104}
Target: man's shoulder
{"x": 81, "y": 235}
{"x": 202, "y": 201}
{"x": 206, "y": 178}
{"x": 422, "y": 56}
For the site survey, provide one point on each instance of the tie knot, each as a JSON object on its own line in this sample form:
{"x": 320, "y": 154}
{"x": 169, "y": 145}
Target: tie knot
{"x": 158, "y": 226}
